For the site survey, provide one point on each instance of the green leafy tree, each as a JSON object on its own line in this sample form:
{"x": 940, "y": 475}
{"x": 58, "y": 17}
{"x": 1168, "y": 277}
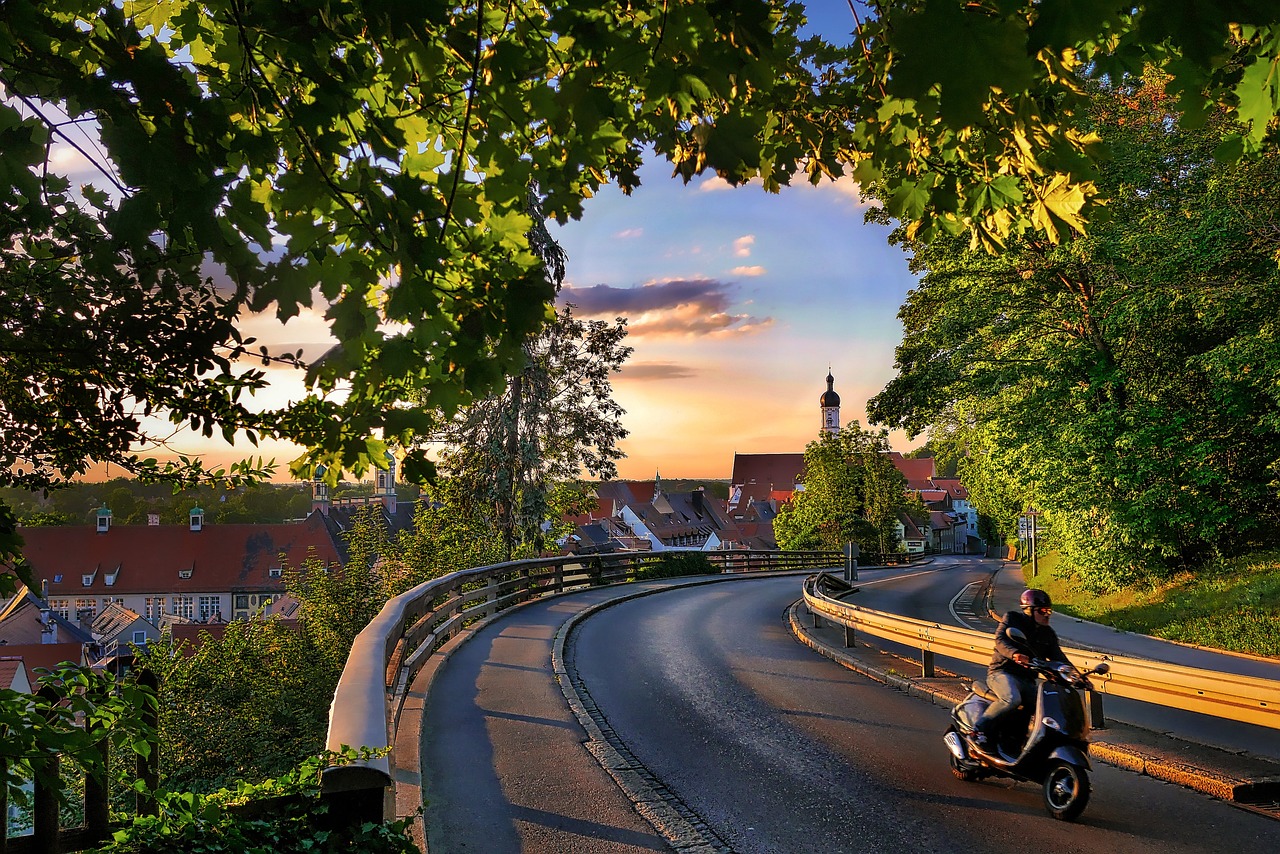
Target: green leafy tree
{"x": 1121, "y": 382}
{"x": 555, "y": 420}
{"x": 973, "y": 118}
{"x": 375, "y": 159}
{"x": 852, "y": 492}
{"x": 247, "y": 705}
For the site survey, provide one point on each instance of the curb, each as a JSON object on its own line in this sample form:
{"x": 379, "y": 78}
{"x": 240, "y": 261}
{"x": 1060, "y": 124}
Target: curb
{"x": 1224, "y": 786}
{"x": 669, "y": 817}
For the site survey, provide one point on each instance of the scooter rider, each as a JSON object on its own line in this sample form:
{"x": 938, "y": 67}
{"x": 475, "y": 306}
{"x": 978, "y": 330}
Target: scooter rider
{"x": 1008, "y": 677}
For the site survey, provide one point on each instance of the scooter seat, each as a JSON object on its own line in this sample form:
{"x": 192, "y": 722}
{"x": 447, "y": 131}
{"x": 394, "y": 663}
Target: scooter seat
{"x": 980, "y": 688}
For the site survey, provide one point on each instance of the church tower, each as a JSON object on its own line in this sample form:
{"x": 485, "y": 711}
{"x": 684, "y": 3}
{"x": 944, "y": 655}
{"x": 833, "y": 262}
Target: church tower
{"x": 830, "y": 403}
{"x": 386, "y": 485}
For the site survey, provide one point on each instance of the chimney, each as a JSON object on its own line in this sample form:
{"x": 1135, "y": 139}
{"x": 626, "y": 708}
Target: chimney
{"x": 697, "y": 499}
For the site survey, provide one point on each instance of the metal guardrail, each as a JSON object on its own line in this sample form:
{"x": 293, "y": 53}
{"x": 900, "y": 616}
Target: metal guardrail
{"x": 391, "y": 650}
{"x": 1224, "y": 695}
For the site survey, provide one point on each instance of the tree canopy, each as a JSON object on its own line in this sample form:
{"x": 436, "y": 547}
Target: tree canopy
{"x": 852, "y": 492}
{"x": 372, "y": 161}
{"x": 972, "y": 116}
{"x": 1124, "y": 382}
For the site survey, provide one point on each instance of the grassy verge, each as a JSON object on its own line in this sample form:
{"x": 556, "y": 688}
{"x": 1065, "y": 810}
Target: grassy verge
{"x": 1234, "y": 605}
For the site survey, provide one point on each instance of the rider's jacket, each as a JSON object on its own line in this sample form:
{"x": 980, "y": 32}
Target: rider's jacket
{"x": 1042, "y": 642}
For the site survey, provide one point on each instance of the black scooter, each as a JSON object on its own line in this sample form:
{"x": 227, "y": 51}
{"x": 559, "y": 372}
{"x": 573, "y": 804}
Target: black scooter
{"x": 1047, "y": 745}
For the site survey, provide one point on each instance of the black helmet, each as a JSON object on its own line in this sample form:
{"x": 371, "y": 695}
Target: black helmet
{"x": 1034, "y": 598}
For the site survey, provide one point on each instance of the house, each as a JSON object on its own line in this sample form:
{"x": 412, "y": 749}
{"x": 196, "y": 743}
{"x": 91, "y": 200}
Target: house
{"x": 945, "y": 495}
{"x": 117, "y": 631}
{"x": 13, "y": 674}
{"x": 942, "y": 532}
{"x": 763, "y": 477}
{"x": 913, "y": 534}
{"x": 195, "y": 572}
{"x": 41, "y": 638}
{"x": 966, "y": 513}
{"x": 668, "y": 519}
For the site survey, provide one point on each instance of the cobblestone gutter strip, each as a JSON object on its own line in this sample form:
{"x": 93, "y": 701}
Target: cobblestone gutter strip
{"x": 683, "y": 829}
{"x": 1136, "y": 758}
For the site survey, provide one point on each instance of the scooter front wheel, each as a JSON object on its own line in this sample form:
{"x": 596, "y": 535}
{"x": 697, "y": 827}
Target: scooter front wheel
{"x": 1066, "y": 790}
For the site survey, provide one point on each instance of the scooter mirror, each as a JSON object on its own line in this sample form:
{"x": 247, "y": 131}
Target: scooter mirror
{"x": 1102, "y": 667}
{"x": 1016, "y": 633}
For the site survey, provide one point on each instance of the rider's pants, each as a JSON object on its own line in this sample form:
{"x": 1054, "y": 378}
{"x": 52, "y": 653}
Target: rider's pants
{"x": 1011, "y": 692}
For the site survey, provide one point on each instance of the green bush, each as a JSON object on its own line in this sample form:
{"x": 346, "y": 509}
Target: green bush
{"x": 676, "y": 564}
{"x": 281, "y": 816}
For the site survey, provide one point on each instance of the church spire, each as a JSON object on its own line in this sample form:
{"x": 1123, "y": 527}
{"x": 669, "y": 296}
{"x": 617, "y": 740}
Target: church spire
{"x": 830, "y": 403}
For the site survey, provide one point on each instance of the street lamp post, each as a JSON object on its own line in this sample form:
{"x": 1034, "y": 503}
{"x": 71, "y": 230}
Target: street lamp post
{"x": 1032, "y": 514}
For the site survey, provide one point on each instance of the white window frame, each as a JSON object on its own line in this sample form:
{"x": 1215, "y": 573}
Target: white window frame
{"x": 208, "y": 606}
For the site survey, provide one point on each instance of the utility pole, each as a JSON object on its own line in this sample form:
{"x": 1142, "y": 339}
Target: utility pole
{"x": 1032, "y": 515}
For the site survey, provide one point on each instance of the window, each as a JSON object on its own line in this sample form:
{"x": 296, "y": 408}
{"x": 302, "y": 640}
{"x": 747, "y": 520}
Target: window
{"x": 86, "y": 609}
{"x": 154, "y": 607}
{"x": 109, "y": 578}
{"x": 184, "y": 573}
{"x": 61, "y": 607}
{"x": 139, "y": 638}
{"x": 209, "y": 606}
{"x": 248, "y": 604}
{"x": 87, "y": 580}
{"x": 110, "y": 600}
{"x": 184, "y": 606}
{"x": 275, "y": 571}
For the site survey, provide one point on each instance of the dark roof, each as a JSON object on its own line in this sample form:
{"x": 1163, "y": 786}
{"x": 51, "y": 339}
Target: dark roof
{"x": 829, "y": 397}
{"x": 148, "y": 558}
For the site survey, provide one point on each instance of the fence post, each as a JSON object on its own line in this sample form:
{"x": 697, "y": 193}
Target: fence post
{"x": 490, "y": 596}
{"x": 4, "y": 806}
{"x": 849, "y": 640}
{"x": 926, "y": 663}
{"x": 96, "y": 802}
{"x": 148, "y": 767}
{"x": 45, "y": 796}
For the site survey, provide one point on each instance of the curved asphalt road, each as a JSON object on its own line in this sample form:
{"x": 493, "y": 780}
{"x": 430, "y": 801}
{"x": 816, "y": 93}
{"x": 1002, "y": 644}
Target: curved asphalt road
{"x": 778, "y": 749}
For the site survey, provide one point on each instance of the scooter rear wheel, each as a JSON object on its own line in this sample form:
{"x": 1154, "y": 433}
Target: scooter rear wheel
{"x": 1066, "y": 790}
{"x": 961, "y": 772}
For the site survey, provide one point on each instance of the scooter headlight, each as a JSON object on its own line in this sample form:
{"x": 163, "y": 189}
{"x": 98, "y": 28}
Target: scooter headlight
{"x": 1051, "y": 723}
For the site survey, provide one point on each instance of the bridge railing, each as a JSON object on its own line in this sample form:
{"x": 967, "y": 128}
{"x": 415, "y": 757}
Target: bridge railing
{"x": 1224, "y": 695}
{"x": 390, "y": 651}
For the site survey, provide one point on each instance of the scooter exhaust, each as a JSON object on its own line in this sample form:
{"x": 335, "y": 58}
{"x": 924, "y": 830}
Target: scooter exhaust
{"x": 955, "y": 744}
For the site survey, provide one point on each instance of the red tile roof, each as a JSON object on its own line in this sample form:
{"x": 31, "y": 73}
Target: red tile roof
{"x": 953, "y": 486}
{"x": 777, "y": 471}
{"x": 44, "y": 655}
{"x": 154, "y": 558}
{"x": 11, "y": 668}
{"x": 918, "y": 470}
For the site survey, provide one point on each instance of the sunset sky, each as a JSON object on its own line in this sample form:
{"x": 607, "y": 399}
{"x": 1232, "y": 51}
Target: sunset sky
{"x": 738, "y": 302}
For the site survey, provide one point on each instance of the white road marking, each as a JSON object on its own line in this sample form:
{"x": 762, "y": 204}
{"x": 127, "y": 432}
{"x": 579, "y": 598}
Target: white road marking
{"x": 951, "y": 606}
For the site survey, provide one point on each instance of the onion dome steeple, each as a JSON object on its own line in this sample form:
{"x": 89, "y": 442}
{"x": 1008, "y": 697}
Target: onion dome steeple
{"x": 830, "y": 403}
